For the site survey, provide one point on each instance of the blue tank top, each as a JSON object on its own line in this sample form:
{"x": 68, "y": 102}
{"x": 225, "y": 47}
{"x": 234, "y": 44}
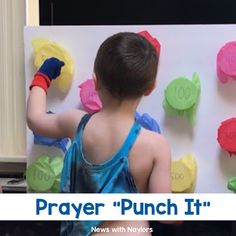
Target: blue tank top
{"x": 81, "y": 176}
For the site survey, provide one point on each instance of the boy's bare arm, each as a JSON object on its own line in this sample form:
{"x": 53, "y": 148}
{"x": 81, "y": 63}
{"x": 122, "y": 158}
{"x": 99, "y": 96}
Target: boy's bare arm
{"x": 160, "y": 179}
{"x": 50, "y": 125}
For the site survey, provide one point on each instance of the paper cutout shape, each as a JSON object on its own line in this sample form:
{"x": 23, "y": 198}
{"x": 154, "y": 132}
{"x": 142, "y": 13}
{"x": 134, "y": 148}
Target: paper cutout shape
{"x": 43, "y": 49}
{"x": 181, "y": 97}
{"x": 40, "y": 176}
{"x": 232, "y": 184}
{"x": 56, "y": 185}
{"x": 226, "y": 62}
{"x": 183, "y": 174}
{"x": 43, "y": 175}
{"x": 152, "y": 40}
{"x": 227, "y": 135}
{"x": 60, "y": 143}
{"x": 147, "y": 122}
{"x": 57, "y": 165}
{"x": 89, "y": 97}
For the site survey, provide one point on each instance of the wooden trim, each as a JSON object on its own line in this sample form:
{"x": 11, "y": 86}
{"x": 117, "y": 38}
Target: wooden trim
{"x": 12, "y": 81}
{"x": 32, "y": 12}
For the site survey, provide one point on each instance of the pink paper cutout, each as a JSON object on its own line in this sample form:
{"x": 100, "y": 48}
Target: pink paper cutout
{"x": 226, "y": 62}
{"x": 89, "y": 97}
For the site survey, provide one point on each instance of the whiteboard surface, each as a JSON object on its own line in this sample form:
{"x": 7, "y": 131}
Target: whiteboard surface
{"x": 184, "y": 49}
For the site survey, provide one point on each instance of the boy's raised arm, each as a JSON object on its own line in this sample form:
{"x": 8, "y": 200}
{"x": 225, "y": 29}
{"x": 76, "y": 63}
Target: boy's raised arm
{"x": 50, "y": 125}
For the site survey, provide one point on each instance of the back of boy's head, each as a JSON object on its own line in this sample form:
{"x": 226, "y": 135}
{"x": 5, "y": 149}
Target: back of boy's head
{"x": 126, "y": 65}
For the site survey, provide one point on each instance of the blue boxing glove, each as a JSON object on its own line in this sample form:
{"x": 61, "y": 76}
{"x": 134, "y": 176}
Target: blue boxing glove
{"x": 49, "y": 70}
{"x": 51, "y": 67}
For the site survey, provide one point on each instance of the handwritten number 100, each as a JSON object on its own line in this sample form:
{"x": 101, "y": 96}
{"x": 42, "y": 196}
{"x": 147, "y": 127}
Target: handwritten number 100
{"x": 182, "y": 92}
{"x": 41, "y": 176}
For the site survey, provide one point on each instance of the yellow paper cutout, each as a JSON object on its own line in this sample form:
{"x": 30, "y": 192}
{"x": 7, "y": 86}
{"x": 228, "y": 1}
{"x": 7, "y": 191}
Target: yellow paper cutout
{"x": 183, "y": 173}
{"x": 43, "y": 49}
{"x": 190, "y": 161}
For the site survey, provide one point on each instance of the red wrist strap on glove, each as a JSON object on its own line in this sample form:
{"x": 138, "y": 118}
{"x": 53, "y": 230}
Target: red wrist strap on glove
{"x": 40, "y": 80}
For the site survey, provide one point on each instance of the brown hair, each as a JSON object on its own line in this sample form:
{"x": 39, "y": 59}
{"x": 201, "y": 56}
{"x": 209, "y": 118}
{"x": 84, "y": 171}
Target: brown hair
{"x": 126, "y": 65}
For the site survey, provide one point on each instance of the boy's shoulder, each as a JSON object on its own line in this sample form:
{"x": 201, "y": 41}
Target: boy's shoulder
{"x": 154, "y": 142}
{"x": 70, "y": 120}
{"x": 153, "y": 138}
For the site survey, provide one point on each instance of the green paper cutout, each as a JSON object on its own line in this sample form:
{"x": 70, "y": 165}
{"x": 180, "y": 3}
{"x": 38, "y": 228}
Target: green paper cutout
{"x": 232, "y": 184}
{"x": 168, "y": 109}
{"x": 181, "y": 94}
{"x": 196, "y": 82}
{"x": 44, "y": 174}
{"x": 181, "y": 97}
{"x": 57, "y": 164}
{"x": 190, "y": 114}
{"x": 56, "y": 185}
{"x": 43, "y": 158}
{"x": 40, "y": 176}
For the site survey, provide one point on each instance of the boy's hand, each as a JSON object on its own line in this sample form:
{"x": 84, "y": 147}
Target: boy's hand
{"x": 49, "y": 70}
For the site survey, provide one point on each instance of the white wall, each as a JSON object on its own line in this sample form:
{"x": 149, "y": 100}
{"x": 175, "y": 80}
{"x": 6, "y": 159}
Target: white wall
{"x": 185, "y": 49}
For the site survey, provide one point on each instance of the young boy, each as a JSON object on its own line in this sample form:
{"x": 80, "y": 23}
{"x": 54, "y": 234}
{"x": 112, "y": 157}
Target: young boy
{"x": 110, "y": 152}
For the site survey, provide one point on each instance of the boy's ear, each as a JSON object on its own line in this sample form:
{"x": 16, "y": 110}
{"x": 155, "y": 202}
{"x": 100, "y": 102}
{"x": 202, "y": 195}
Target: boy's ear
{"x": 96, "y": 82}
{"x": 149, "y": 91}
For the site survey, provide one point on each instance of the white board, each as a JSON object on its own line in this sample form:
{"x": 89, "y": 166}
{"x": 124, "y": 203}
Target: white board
{"x": 185, "y": 49}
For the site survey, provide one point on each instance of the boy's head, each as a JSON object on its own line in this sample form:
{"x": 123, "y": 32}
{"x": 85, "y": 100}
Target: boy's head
{"x": 126, "y": 66}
